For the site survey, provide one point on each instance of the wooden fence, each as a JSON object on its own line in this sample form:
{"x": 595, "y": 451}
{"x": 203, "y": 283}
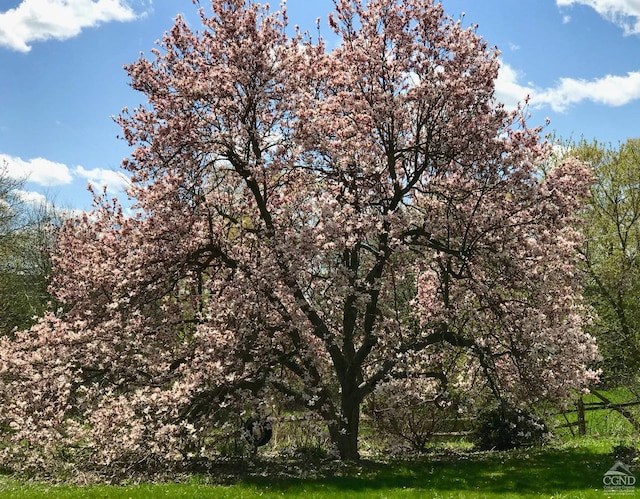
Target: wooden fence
{"x": 603, "y": 404}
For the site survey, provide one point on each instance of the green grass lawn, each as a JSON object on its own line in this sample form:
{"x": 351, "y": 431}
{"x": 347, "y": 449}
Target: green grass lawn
{"x": 568, "y": 471}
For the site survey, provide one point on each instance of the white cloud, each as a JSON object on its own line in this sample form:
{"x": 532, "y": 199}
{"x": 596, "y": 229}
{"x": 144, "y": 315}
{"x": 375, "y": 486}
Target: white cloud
{"x": 38, "y": 170}
{"x": 37, "y": 20}
{"x": 624, "y": 13}
{"x": 508, "y": 91}
{"x": 34, "y": 198}
{"x": 100, "y": 177}
{"x": 46, "y": 206}
{"x": 609, "y": 90}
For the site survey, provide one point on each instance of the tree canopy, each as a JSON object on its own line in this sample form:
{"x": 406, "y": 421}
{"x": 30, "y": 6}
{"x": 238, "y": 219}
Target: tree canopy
{"x": 309, "y": 222}
{"x": 26, "y": 234}
{"x": 611, "y": 251}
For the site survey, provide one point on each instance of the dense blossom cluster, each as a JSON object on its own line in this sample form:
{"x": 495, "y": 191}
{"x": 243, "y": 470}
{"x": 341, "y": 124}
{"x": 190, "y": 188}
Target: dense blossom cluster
{"x": 310, "y": 223}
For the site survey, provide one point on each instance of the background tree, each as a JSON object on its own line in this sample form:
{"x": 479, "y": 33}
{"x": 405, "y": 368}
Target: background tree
{"x": 612, "y": 258}
{"x": 26, "y": 237}
{"x": 283, "y": 191}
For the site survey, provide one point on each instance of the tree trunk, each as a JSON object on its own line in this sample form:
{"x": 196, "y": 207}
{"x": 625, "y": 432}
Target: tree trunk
{"x": 344, "y": 433}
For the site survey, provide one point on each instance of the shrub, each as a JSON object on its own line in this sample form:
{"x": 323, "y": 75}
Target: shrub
{"x": 628, "y": 453}
{"x": 408, "y": 414}
{"x": 504, "y": 427}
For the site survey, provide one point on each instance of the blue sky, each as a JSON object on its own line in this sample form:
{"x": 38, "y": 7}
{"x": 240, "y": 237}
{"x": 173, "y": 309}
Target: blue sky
{"x": 61, "y": 76}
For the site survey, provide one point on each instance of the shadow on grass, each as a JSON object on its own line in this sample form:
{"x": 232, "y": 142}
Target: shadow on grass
{"x": 567, "y": 472}
{"x": 538, "y": 472}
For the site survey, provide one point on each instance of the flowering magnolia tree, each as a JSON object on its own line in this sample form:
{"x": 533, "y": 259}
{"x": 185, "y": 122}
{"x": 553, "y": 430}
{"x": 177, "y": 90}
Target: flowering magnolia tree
{"x": 309, "y": 222}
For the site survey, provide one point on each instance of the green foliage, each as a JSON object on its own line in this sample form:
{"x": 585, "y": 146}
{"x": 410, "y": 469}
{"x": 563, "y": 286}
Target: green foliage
{"x": 612, "y": 251}
{"x": 27, "y": 233}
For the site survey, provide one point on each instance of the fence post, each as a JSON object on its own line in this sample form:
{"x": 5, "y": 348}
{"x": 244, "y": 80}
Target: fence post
{"x": 582, "y": 424}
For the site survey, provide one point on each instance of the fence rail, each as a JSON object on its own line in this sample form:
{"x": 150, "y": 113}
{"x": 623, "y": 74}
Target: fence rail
{"x": 605, "y": 404}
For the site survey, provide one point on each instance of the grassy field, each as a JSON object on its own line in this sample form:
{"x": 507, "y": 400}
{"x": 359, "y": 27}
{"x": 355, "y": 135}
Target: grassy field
{"x": 573, "y": 470}
{"x": 606, "y": 422}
